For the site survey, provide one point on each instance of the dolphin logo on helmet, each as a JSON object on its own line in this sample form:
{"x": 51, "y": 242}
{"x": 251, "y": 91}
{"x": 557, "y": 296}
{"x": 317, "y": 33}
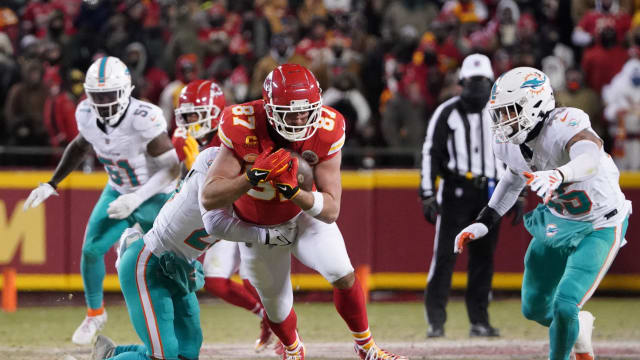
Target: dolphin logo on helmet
{"x": 534, "y": 83}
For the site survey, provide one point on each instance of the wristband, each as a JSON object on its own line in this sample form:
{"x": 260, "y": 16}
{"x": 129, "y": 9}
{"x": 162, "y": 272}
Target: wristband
{"x": 318, "y": 204}
{"x": 488, "y": 216}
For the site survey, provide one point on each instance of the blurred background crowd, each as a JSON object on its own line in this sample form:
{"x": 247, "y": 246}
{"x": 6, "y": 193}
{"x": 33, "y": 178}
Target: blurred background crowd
{"x": 384, "y": 64}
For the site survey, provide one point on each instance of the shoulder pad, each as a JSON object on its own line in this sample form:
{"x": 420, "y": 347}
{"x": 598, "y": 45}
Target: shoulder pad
{"x": 332, "y": 130}
{"x": 83, "y": 114}
{"x": 234, "y": 129}
{"x": 205, "y": 159}
{"x": 566, "y": 123}
{"x": 147, "y": 119}
{"x": 569, "y": 117}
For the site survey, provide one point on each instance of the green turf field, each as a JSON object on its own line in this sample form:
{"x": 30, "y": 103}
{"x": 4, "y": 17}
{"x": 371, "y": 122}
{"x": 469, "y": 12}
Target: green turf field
{"x": 28, "y": 332}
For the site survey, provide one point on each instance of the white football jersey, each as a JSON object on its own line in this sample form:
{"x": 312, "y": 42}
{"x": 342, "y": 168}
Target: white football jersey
{"x": 178, "y": 227}
{"x": 588, "y": 200}
{"x": 123, "y": 149}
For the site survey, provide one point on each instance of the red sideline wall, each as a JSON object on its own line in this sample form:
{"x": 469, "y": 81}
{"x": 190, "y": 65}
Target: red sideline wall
{"x": 381, "y": 221}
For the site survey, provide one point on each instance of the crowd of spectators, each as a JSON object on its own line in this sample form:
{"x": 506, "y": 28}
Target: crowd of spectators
{"x": 384, "y": 64}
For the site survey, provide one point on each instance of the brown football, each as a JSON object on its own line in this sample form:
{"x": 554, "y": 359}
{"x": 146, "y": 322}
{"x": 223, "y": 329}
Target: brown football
{"x": 305, "y": 173}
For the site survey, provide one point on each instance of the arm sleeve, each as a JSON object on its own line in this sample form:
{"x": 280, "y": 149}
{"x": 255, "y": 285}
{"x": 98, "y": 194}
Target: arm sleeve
{"x": 169, "y": 165}
{"x": 585, "y": 160}
{"x": 221, "y": 224}
{"x": 507, "y": 192}
{"x": 434, "y": 153}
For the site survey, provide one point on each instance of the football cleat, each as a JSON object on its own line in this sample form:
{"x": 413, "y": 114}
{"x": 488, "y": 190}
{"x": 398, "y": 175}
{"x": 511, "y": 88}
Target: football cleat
{"x": 371, "y": 351}
{"x": 295, "y": 354}
{"x": 89, "y": 327}
{"x": 266, "y": 336}
{"x": 103, "y": 348}
{"x": 278, "y": 348}
{"x": 583, "y": 348}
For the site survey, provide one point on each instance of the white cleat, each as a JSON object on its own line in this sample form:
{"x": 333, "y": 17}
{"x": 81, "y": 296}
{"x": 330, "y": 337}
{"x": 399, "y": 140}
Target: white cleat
{"x": 103, "y": 348}
{"x": 583, "y": 348}
{"x": 90, "y": 326}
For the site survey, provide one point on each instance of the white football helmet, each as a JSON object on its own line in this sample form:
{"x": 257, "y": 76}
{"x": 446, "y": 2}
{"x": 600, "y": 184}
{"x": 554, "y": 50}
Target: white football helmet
{"x": 108, "y": 88}
{"x": 520, "y": 98}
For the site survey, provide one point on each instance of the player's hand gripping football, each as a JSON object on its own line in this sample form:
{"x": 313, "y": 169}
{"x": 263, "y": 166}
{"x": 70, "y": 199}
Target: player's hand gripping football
{"x": 268, "y": 165}
{"x": 544, "y": 183}
{"x": 468, "y": 234}
{"x": 287, "y": 182}
{"x": 282, "y": 235}
{"x": 123, "y": 206}
{"x": 38, "y": 195}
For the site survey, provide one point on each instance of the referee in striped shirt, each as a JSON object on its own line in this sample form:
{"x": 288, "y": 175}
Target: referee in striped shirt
{"x": 457, "y": 149}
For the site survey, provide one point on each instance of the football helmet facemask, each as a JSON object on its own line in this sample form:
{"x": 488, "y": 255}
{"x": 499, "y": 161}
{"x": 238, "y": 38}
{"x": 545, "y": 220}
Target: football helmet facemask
{"x": 519, "y": 99}
{"x": 199, "y": 108}
{"x": 108, "y": 88}
{"x": 292, "y": 101}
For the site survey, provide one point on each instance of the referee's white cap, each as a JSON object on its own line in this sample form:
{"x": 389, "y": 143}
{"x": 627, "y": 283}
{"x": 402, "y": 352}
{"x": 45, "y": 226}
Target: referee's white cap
{"x": 476, "y": 65}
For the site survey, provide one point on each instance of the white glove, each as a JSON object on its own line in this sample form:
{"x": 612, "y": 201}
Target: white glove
{"x": 38, "y": 195}
{"x": 282, "y": 235}
{"x": 544, "y": 183}
{"x": 123, "y": 206}
{"x": 471, "y": 232}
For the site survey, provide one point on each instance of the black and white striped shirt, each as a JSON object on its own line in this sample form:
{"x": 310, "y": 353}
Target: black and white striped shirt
{"x": 457, "y": 143}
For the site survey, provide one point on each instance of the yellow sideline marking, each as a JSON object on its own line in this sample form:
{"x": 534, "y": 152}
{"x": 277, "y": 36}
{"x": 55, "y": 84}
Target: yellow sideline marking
{"x": 306, "y": 282}
{"x": 351, "y": 179}
{"x": 31, "y": 179}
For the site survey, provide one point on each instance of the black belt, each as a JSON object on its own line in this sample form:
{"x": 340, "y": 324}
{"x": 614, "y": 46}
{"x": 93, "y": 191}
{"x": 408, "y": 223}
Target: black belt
{"x": 479, "y": 182}
{"x": 611, "y": 214}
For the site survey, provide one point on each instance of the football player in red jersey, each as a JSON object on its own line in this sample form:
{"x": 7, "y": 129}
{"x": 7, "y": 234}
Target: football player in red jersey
{"x": 197, "y": 117}
{"x": 262, "y": 186}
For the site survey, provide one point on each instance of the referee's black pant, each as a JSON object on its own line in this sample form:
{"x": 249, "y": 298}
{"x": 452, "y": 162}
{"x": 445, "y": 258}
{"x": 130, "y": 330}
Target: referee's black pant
{"x": 462, "y": 200}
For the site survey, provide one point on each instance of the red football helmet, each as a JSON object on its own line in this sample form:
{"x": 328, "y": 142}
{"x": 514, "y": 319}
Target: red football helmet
{"x": 205, "y": 100}
{"x": 292, "y": 88}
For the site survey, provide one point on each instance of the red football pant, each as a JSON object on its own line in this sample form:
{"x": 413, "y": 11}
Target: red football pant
{"x": 233, "y": 293}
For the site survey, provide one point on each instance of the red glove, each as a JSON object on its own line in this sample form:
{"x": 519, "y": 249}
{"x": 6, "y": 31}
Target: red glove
{"x": 268, "y": 165}
{"x": 287, "y": 182}
{"x": 178, "y": 139}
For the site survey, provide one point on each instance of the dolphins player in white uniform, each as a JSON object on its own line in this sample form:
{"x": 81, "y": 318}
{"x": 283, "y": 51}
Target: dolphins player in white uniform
{"x": 130, "y": 139}
{"x": 159, "y": 273}
{"x": 580, "y": 226}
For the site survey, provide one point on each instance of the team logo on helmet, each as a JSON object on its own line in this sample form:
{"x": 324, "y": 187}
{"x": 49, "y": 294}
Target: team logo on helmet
{"x": 534, "y": 81}
{"x": 267, "y": 84}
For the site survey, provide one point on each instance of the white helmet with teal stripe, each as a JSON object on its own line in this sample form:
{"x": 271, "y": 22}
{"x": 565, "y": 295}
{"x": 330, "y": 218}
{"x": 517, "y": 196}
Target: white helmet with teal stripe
{"x": 108, "y": 88}
{"x": 519, "y": 99}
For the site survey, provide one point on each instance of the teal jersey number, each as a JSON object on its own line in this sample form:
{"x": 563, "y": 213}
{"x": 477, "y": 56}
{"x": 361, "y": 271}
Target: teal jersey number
{"x": 114, "y": 171}
{"x": 124, "y": 164}
{"x": 195, "y": 240}
{"x": 575, "y": 202}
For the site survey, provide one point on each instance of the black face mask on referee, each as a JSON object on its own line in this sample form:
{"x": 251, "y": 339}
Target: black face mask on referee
{"x": 475, "y": 92}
